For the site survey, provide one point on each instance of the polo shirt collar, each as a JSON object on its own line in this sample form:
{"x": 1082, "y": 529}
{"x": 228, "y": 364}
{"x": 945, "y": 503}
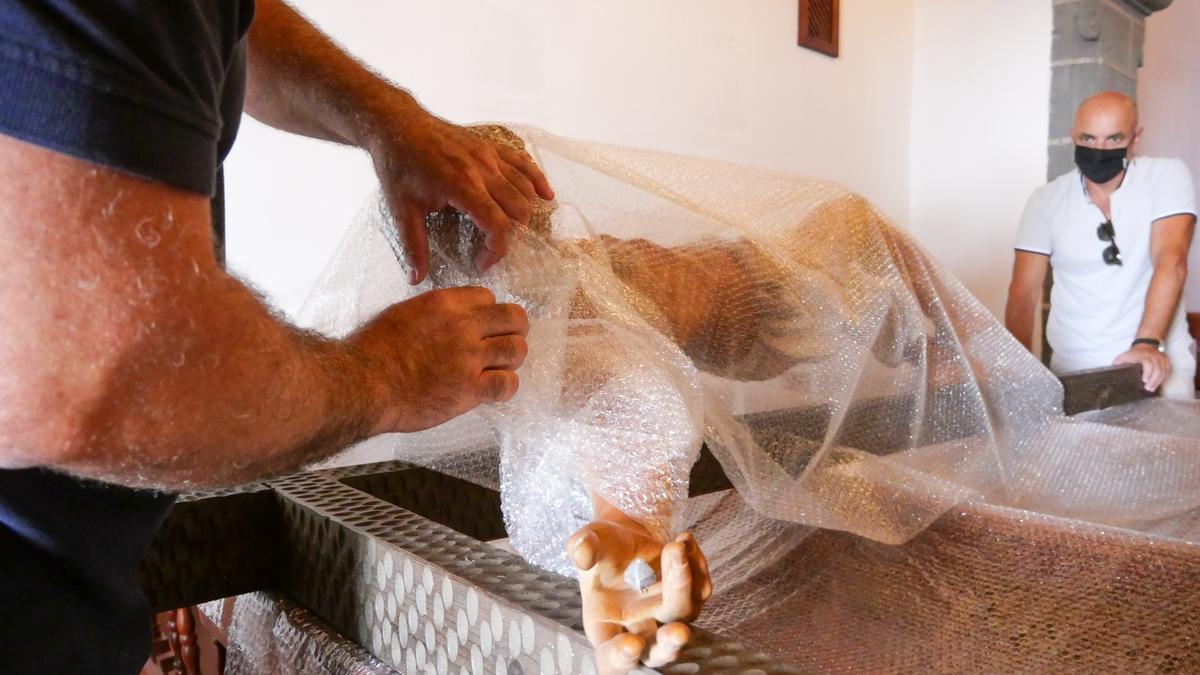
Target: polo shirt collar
{"x": 1124, "y": 179}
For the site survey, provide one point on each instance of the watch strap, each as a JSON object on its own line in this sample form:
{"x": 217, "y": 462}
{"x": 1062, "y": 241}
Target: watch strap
{"x": 1157, "y": 344}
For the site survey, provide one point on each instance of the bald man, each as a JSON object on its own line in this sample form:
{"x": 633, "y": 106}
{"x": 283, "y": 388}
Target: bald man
{"x": 1117, "y": 230}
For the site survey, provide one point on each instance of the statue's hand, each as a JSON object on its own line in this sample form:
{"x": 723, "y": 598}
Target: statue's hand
{"x": 627, "y": 625}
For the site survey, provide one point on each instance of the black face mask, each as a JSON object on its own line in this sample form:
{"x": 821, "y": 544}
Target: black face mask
{"x": 1100, "y": 166}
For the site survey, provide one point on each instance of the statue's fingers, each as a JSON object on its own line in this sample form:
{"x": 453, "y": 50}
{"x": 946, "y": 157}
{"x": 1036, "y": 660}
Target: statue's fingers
{"x": 677, "y": 603}
{"x": 644, "y": 608}
{"x": 701, "y": 580}
{"x": 666, "y": 644}
{"x": 620, "y": 654}
{"x": 584, "y": 548}
{"x": 603, "y": 549}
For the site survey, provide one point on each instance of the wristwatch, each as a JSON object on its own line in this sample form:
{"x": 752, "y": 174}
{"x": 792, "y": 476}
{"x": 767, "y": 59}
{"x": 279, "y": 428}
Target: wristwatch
{"x": 1157, "y": 344}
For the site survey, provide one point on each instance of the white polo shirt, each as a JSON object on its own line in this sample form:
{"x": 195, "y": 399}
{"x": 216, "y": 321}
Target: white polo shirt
{"x": 1095, "y": 309}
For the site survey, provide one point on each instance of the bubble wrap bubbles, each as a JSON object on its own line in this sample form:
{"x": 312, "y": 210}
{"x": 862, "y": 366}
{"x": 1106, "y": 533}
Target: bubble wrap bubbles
{"x": 842, "y": 378}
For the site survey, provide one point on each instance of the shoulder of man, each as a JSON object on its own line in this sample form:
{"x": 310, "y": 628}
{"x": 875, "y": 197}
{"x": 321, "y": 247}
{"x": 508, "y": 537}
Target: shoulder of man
{"x": 1047, "y": 194}
{"x": 126, "y": 84}
{"x": 1158, "y": 167}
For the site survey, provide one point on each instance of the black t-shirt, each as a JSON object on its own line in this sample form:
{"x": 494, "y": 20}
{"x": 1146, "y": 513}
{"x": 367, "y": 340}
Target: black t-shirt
{"x": 153, "y": 88}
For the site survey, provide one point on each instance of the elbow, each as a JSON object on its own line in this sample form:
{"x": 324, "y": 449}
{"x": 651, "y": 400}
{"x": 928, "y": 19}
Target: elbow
{"x": 46, "y": 416}
{"x": 44, "y": 420}
{"x": 1172, "y": 270}
{"x": 1021, "y": 291}
{"x": 1022, "y": 302}
{"x": 62, "y": 392}
{"x": 83, "y": 385}
{"x": 1173, "y": 260}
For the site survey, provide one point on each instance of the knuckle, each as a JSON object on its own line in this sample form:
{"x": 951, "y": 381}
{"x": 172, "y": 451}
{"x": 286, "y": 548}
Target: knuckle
{"x": 485, "y": 294}
{"x": 506, "y": 350}
{"x": 497, "y": 245}
{"x": 475, "y": 182}
{"x": 493, "y": 388}
{"x": 467, "y": 333}
{"x": 502, "y": 226}
{"x": 515, "y": 351}
{"x": 474, "y": 368}
{"x": 523, "y": 209}
{"x": 461, "y": 162}
{"x": 469, "y": 369}
{"x": 518, "y": 176}
{"x": 512, "y": 382}
{"x": 437, "y": 298}
{"x": 475, "y": 294}
{"x": 487, "y": 155}
{"x": 501, "y": 215}
{"x": 516, "y": 314}
{"x": 523, "y": 163}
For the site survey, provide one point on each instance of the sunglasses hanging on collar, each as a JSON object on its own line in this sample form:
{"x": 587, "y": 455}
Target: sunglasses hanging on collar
{"x": 1112, "y": 254}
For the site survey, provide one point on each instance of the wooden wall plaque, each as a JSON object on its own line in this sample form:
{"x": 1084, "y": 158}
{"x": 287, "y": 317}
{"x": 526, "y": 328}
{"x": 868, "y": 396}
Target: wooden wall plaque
{"x": 819, "y": 25}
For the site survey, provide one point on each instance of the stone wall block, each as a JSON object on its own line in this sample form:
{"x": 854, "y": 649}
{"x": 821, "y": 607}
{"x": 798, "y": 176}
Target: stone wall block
{"x": 1074, "y": 22}
{"x": 1062, "y": 160}
{"x": 1088, "y": 26}
{"x": 1070, "y": 84}
{"x": 1116, "y": 43}
{"x": 1139, "y": 42}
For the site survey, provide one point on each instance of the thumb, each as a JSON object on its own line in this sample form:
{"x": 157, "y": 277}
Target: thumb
{"x": 583, "y": 548}
{"x": 415, "y": 238}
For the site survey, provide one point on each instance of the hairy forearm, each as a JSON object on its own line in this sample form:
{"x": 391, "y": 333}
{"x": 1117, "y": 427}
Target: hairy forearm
{"x": 130, "y": 355}
{"x": 209, "y": 390}
{"x": 249, "y": 397}
{"x": 1162, "y": 298}
{"x": 301, "y": 81}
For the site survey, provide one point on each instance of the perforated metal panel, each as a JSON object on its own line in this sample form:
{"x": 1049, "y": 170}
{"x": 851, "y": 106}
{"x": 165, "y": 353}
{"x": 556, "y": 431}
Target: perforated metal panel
{"x": 414, "y": 593}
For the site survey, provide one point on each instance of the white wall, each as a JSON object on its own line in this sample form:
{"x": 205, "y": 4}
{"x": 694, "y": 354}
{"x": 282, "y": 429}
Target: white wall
{"x": 1169, "y": 95}
{"x": 919, "y": 114}
{"x": 981, "y": 110}
{"x": 702, "y": 77}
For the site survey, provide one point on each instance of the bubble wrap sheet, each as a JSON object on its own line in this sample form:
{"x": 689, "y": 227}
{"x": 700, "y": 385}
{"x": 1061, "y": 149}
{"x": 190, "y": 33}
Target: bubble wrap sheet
{"x": 677, "y": 300}
{"x": 270, "y": 634}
